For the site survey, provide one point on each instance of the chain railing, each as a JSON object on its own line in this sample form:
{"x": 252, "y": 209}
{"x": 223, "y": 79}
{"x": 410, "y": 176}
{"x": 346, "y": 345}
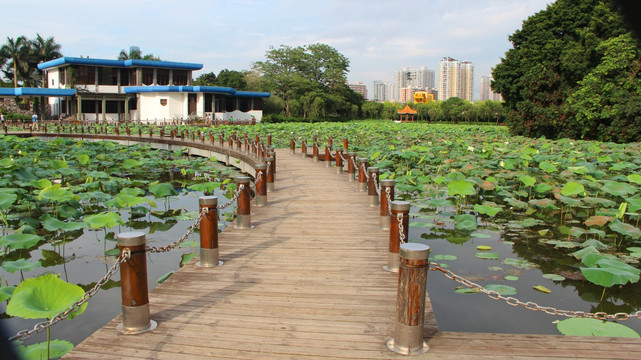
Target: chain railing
{"x": 41, "y": 326}
{"x": 532, "y": 305}
{"x": 175, "y": 244}
{"x": 401, "y": 233}
{"x": 388, "y": 196}
{"x": 234, "y": 198}
{"x": 342, "y": 157}
{"x": 365, "y": 171}
{"x": 376, "y": 186}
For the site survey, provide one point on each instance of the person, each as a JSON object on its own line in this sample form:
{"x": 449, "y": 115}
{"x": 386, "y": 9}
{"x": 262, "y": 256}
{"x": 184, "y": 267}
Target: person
{"x": 34, "y": 121}
{"x": 2, "y": 118}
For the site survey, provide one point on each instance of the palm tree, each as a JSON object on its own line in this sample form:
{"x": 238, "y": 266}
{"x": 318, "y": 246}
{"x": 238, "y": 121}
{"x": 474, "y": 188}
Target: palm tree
{"x": 134, "y": 53}
{"x": 14, "y": 49}
{"x": 43, "y": 50}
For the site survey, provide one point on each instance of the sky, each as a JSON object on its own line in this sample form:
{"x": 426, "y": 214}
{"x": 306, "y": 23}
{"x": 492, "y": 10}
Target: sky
{"x": 377, "y": 36}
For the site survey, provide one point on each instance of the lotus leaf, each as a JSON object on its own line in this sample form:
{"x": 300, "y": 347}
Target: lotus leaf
{"x": 542, "y": 289}
{"x": 520, "y": 263}
{"x": 547, "y": 167}
{"x": 511, "y": 278}
{"x": 19, "y": 241}
{"x": 83, "y": 159}
{"x": 466, "y": 222}
{"x": 205, "y": 187}
{"x": 6, "y": 200}
{"x": 594, "y": 327}
{"x": 504, "y": 290}
{"x": 618, "y": 188}
{"x": 466, "y": 290}
{"x": 484, "y": 248}
{"x": 487, "y": 255}
{"x": 56, "y": 348}
{"x": 53, "y": 224}
{"x": 444, "y": 257}
{"x": 572, "y": 188}
{"x": 579, "y": 254}
{"x": 634, "y": 178}
{"x": 598, "y": 220}
{"x": 162, "y": 190}
{"x": 625, "y": 229}
{"x": 422, "y": 225}
{"x": 20, "y": 264}
{"x": 58, "y": 195}
{"x": 44, "y": 297}
{"x": 460, "y": 187}
{"x": 542, "y": 188}
{"x": 571, "y": 202}
{"x": 635, "y": 251}
{"x": 517, "y": 204}
{"x": 6, "y": 292}
{"x": 544, "y": 203}
{"x": 130, "y": 163}
{"x": 164, "y": 277}
{"x": 608, "y": 271}
{"x": 58, "y": 164}
{"x": 599, "y": 201}
{"x": 480, "y": 235}
{"x": 581, "y": 170}
{"x": 487, "y": 209}
{"x": 99, "y": 221}
{"x": 554, "y": 277}
{"x": 527, "y": 180}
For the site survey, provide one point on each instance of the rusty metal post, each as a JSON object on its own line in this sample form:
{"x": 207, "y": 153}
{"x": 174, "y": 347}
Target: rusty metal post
{"x": 387, "y": 187}
{"x": 230, "y": 141}
{"x": 209, "y": 232}
{"x": 303, "y": 149}
{"x": 272, "y": 154}
{"x": 260, "y": 152}
{"x": 328, "y": 156}
{"x": 292, "y": 146}
{"x": 221, "y": 138}
{"x": 399, "y": 220}
{"x": 134, "y": 290}
{"x": 261, "y": 185}
{"x": 339, "y": 160}
{"x": 315, "y": 151}
{"x": 243, "y": 220}
{"x": 270, "y": 173}
{"x": 362, "y": 174}
{"x": 345, "y": 143}
{"x": 330, "y": 141}
{"x": 351, "y": 166}
{"x": 211, "y": 138}
{"x": 269, "y": 140}
{"x": 409, "y": 333}
{"x": 372, "y": 184}
{"x": 246, "y": 138}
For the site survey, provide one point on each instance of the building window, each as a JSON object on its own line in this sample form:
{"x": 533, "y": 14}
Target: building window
{"x": 208, "y": 100}
{"x": 91, "y": 106}
{"x": 85, "y": 75}
{"x": 180, "y": 77}
{"x": 257, "y": 104}
{"x": 114, "y": 106}
{"x": 124, "y": 76}
{"x": 133, "y": 77}
{"x": 219, "y": 103}
{"x": 244, "y": 104}
{"x": 147, "y": 76}
{"x": 62, "y": 72}
{"x": 162, "y": 77}
{"x": 107, "y": 76}
{"x": 230, "y": 104}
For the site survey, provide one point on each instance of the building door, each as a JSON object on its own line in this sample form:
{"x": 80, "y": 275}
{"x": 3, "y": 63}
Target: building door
{"x": 191, "y": 103}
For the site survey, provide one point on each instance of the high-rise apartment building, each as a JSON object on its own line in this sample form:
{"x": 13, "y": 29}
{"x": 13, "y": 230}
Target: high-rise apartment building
{"x": 360, "y": 88}
{"x": 486, "y": 90}
{"x": 419, "y": 78}
{"x": 382, "y": 91}
{"x": 456, "y": 79}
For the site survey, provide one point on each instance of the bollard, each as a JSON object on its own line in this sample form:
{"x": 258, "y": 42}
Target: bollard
{"x": 246, "y": 138}
{"x": 315, "y": 151}
{"x": 270, "y": 173}
{"x": 410, "y": 301}
{"x": 328, "y": 156}
{"x": 362, "y": 177}
{"x": 339, "y": 160}
{"x": 269, "y": 140}
{"x": 372, "y": 186}
{"x": 303, "y": 149}
{"x": 209, "y": 232}
{"x": 260, "y": 152}
{"x": 271, "y": 153}
{"x": 243, "y": 220}
{"x": 221, "y": 138}
{"x": 330, "y": 141}
{"x": 345, "y": 143}
{"x": 387, "y": 193}
{"x": 134, "y": 290}
{"x": 292, "y": 146}
{"x": 399, "y": 210}
{"x": 351, "y": 166}
{"x": 261, "y": 185}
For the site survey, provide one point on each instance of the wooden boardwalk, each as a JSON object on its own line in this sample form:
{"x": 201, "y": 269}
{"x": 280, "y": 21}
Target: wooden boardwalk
{"x": 307, "y": 283}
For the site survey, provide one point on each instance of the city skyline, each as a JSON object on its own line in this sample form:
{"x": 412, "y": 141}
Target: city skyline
{"x": 378, "y": 37}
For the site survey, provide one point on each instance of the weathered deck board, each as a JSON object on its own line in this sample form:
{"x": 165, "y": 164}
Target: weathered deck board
{"x": 307, "y": 283}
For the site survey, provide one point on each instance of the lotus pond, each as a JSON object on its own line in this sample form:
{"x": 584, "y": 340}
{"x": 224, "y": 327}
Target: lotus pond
{"x": 62, "y": 203}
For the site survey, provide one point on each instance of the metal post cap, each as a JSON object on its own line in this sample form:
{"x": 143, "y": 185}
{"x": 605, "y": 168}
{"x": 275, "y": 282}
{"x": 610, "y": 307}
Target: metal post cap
{"x": 269, "y": 159}
{"x": 362, "y": 160}
{"x": 351, "y": 153}
{"x": 208, "y": 200}
{"x": 372, "y": 169}
{"x": 388, "y": 182}
{"x": 133, "y": 238}
{"x": 261, "y": 166}
{"x": 400, "y": 205}
{"x": 414, "y": 251}
{"x": 242, "y": 179}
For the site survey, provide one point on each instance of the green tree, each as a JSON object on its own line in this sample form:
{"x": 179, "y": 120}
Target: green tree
{"x": 231, "y": 78}
{"x": 207, "y": 79}
{"x": 135, "y": 54}
{"x": 43, "y": 50}
{"x": 14, "y": 51}
{"x": 372, "y": 110}
{"x": 553, "y": 51}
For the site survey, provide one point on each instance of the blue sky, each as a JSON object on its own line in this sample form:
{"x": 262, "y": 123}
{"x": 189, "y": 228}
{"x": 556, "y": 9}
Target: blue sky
{"x": 377, "y": 36}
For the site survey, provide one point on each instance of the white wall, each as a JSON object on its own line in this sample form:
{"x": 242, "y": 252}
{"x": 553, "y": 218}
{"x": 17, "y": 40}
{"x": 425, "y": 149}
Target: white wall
{"x": 150, "y": 108}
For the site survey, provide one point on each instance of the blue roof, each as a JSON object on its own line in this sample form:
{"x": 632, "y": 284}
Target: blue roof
{"x": 118, "y": 63}
{"x": 193, "y": 89}
{"x": 26, "y": 91}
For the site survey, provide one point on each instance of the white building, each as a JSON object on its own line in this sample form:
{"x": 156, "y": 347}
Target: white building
{"x": 419, "y": 78}
{"x": 142, "y": 90}
{"x": 456, "y": 79}
{"x": 382, "y": 91}
{"x": 486, "y": 90}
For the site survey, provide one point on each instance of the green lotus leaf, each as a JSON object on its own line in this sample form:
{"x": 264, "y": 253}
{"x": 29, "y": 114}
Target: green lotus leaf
{"x": 99, "y": 221}
{"x": 53, "y": 224}
{"x": 527, "y": 180}
{"x": 480, "y": 235}
{"x": 487, "y": 255}
{"x": 6, "y": 163}
{"x": 7, "y": 199}
{"x": 58, "y": 164}
{"x": 44, "y": 297}
{"x": 466, "y": 222}
{"x": 6, "y": 292}
{"x": 594, "y": 327}
{"x": 57, "y": 348}
{"x": 20, "y": 264}
{"x": 618, "y": 188}
{"x": 68, "y": 212}
{"x": 504, "y": 290}
{"x": 185, "y": 258}
{"x": 164, "y": 277}
{"x": 487, "y": 209}
{"x": 542, "y": 188}
{"x": 547, "y": 167}
{"x": 83, "y": 159}
{"x": 466, "y": 290}
{"x": 634, "y": 178}
{"x": 581, "y": 170}
{"x": 205, "y": 187}
{"x": 554, "y": 277}
{"x": 634, "y": 204}
{"x": 579, "y": 254}
{"x": 162, "y": 190}
{"x": 444, "y": 257}
{"x": 572, "y": 188}
{"x": 625, "y": 229}
{"x": 635, "y": 251}
{"x": 511, "y": 278}
{"x": 608, "y": 271}
{"x": 130, "y": 163}
{"x": 460, "y": 187}
{"x": 544, "y": 203}
{"x": 132, "y": 191}
{"x": 58, "y": 195}
{"x": 421, "y": 224}
{"x": 517, "y": 204}
{"x": 520, "y": 263}
{"x": 572, "y": 202}
{"x": 19, "y": 241}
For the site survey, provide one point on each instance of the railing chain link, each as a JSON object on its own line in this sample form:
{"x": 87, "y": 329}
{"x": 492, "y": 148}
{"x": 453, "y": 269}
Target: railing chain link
{"x": 388, "y": 195}
{"x": 376, "y": 186}
{"x": 25, "y": 334}
{"x": 234, "y": 198}
{"x": 532, "y": 305}
{"x": 175, "y": 244}
{"x": 401, "y": 233}
{"x": 342, "y": 157}
{"x": 365, "y": 172}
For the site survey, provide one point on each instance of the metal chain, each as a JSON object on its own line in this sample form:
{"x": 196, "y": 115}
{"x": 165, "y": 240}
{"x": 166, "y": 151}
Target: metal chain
{"x": 388, "y": 195}
{"x": 175, "y": 244}
{"x": 531, "y": 305}
{"x": 376, "y": 187}
{"x": 234, "y": 198}
{"x": 401, "y": 233}
{"x": 365, "y": 171}
{"x": 342, "y": 157}
{"x": 269, "y": 166}
{"x": 25, "y": 334}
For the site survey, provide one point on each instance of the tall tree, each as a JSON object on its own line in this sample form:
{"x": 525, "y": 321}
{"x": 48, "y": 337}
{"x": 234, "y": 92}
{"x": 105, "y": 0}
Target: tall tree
{"x": 206, "y": 79}
{"x": 14, "y": 50}
{"x": 231, "y": 78}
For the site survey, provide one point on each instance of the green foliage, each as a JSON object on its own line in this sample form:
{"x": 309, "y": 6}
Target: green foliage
{"x": 594, "y": 327}
{"x": 44, "y": 297}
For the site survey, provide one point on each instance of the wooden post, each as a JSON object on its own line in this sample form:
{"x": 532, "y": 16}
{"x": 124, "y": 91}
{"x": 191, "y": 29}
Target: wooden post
{"x": 209, "y": 232}
{"x": 246, "y": 137}
{"x": 339, "y": 160}
{"x": 303, "y": 149}
{"x": 269, "y": 140}
{"x": 270, "y": 173}
{"x": 134, "y": 290}
{"x": 345, "y": 143}
{"x": 243, "y": 220}
{"x": 399, "y": 209}
{"x": 410, "y": 301}
{"x": 292, "y": 146}
{"x": 330, "y": 141}
{"x": 387, "y": 186}
{"x": 139, "y": 131}
{"x": 221, "y": 138}
{"x": 261, "y": 185}
{"x": 272, "y": 154}
{"x": 372, "y": 185}
{"x": 260, "y": 152}
{"x": 328, "y": 156}
{"x": 362, "y": 171}
{"x": 231, "y": 140}
{"x": 315, "y": 151}
{"x": 351, "y": 166}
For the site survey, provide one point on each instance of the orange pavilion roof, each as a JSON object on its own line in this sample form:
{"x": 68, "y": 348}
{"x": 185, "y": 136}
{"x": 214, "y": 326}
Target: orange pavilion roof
{"x": 407, "y": 110}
